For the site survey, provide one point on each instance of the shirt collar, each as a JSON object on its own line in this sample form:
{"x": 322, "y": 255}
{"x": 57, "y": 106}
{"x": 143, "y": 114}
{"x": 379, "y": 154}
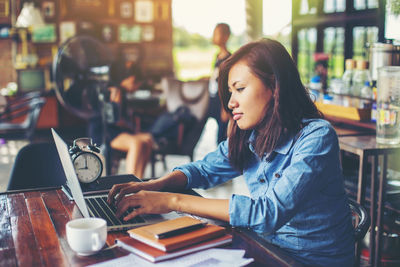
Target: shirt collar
{"x": 283, "y": 147}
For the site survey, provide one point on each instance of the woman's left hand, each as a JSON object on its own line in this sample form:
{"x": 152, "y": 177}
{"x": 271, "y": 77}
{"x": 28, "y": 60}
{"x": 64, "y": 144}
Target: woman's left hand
{"x": 145, "y": 202}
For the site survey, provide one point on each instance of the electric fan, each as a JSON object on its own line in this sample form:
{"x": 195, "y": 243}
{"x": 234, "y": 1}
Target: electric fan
{"x": 81, "y": 74}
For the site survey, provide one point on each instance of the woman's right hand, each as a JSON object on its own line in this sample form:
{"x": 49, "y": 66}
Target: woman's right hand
{"x": 118, "y": 191}
{"x": 175, "y": 180}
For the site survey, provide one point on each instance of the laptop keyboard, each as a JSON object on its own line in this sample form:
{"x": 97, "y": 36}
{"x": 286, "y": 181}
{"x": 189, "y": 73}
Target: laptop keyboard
{"x": 98, "y": 207}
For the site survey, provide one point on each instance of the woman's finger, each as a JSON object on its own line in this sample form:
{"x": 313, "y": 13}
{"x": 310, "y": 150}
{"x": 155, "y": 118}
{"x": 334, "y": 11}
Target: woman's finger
{"x": 125, "y": 204}
{"x": 134, "y": 213}
{"x": 124, "y": 191}
{"x": 114, "y": 190}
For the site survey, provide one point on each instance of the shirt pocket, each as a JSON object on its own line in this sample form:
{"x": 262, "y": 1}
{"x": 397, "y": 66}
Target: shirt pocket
{"x": 275, "y": 176}
{"x": 266, "y": 180}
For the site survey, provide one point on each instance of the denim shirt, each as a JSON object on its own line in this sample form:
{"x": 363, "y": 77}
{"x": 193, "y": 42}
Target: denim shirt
{"x": 297, "y": 202}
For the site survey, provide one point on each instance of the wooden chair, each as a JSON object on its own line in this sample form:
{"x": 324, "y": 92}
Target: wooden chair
{"x": 361, "y": 222}
{"x": 20, "y": 116}
{"x": 194, "y": 95}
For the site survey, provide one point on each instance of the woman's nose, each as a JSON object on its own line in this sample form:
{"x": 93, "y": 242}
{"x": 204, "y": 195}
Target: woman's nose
{"x": 232, "y": 103}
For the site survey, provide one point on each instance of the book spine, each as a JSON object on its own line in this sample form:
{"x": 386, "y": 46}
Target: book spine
{"x": 165, "y": 256}
{"x": 146, "y": 241}
{"x": 134, "y": 250}
{"x": 195, "y": 249}
{"x": 183, "y": 243}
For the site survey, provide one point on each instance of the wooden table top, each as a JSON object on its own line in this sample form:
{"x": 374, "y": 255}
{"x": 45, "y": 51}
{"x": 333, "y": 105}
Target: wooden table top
{"x": 32, "y": 233}
{"x": 366, "y": 144}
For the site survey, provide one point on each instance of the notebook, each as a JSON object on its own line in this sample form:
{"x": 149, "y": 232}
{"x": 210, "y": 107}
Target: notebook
{"x": 145, "y": 234}
{"x": 96, "y": 205}
{"x": 155, "y": 255}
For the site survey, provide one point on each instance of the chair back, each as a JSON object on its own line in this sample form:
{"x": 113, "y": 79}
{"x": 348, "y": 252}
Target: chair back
{"x": 193, "y": 94}
{"x": 362, "y": 219}
{"x": 35, "y": 106}
{"x": 36, "y": 165}
{"x": 20, "y": 117}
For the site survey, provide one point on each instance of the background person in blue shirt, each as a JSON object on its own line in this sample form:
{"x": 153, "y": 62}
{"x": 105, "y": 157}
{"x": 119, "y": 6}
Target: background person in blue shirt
{"x": 287, "y": 154}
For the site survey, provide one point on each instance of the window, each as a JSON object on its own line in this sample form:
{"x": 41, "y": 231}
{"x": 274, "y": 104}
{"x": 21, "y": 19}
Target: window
{"x": 365, "y": 4}
{"x": 362, "y": 38}
{"x": 334, "y": 46}
{"x": 332, "y": 6}
{"x": 339, "y": 28}
{"x": 307, "y": 43}
{"x": 308, "y": 7}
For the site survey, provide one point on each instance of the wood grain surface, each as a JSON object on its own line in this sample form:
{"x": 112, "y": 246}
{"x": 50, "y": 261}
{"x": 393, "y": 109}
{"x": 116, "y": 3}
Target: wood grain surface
{"x": 32, "y": 233}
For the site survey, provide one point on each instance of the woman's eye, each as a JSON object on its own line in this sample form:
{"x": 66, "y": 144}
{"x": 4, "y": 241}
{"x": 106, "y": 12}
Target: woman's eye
{"x": 240, "y": 89}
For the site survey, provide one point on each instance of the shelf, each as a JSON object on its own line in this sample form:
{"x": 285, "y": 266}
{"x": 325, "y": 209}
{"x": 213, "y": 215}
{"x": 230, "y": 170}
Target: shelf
{"x": 340, "y": 120}
{"x": 350, "y": 113}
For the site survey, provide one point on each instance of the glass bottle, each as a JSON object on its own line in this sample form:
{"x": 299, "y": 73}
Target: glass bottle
{"x": 361, "y": 75}
{"x": 347, "y": 77}
{"x": 366, "y": 91}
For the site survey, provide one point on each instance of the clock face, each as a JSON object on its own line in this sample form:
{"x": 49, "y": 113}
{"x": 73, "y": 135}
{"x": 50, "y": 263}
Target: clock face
{"x": 88, "y": 167}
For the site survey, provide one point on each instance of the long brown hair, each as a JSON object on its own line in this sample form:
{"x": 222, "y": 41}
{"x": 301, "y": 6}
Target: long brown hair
{"x": 290, "y": 103}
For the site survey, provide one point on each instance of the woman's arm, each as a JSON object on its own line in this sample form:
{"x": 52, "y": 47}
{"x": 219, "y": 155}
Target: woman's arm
{"x": 150, "y": 202}
{"x": 212, "y": 170}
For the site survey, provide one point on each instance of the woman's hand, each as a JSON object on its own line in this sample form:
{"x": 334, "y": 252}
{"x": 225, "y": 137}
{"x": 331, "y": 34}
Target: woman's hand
{"x": 143, "y": 196}
{"x": 119, "y": 191}
{"x": 145, "y": 202}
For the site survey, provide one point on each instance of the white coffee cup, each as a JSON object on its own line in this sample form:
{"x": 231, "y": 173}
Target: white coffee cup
{"x": 86, "y": 236}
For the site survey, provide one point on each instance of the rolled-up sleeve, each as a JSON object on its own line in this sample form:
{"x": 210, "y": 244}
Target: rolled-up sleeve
{"x": 212, "y": 170}
{"x": 313, "y": 163}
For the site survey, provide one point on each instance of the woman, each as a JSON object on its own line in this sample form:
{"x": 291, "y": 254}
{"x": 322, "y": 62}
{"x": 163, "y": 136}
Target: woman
{"x": 220, "y": 38}
{"x": 287, "y": 154}
{"x": 126, "y": 77}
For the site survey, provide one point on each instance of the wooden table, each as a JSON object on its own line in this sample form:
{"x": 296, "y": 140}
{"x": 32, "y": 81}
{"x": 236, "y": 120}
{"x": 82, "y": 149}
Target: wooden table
{"x": 32, "y": 233}
{"x": 366, "y": 147}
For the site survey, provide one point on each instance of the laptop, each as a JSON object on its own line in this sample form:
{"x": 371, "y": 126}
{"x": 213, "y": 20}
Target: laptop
{"x": 96, "y": 205}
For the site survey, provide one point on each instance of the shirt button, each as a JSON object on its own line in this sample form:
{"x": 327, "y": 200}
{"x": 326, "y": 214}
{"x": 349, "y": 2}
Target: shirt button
{"x": 277, "y": 175}
{"x": 262, "y": 180}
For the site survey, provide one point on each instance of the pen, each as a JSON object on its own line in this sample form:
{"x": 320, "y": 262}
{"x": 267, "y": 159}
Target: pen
{"x": 180, "y": 231}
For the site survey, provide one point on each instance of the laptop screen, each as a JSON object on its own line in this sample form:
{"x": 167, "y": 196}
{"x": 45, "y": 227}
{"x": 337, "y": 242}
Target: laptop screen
{"x": 72, "y": 179}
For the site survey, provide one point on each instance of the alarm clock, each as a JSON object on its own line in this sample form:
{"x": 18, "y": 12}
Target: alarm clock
{"x": 87, "y": 160}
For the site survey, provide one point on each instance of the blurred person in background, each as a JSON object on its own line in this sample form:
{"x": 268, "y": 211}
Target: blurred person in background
{"x": 221, "y": 36}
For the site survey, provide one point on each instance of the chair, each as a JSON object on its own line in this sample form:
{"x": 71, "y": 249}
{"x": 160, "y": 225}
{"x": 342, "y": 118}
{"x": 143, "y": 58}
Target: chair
{"x": 194, "y": 95}
{"x": 361, "y": 224}
{"x": 36, "y": 165}
{"x": 20, "y": 116}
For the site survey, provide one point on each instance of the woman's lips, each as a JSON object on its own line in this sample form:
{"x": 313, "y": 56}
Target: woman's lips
{"x": 237, "y": 116}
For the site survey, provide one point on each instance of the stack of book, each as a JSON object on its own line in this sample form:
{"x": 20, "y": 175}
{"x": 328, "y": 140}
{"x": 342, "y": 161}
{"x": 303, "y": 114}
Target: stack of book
{"x": 173, "y": 238}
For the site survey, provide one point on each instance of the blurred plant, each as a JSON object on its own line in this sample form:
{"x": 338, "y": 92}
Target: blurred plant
{"x": 394, "y": 7}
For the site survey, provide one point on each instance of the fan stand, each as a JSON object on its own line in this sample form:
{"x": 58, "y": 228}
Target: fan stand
{"x": 105, "y": 117}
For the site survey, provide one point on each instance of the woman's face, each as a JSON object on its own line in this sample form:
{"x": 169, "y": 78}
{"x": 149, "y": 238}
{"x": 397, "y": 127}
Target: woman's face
{"x": 219, "y": 38}
{"x": 249, "y": 96}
